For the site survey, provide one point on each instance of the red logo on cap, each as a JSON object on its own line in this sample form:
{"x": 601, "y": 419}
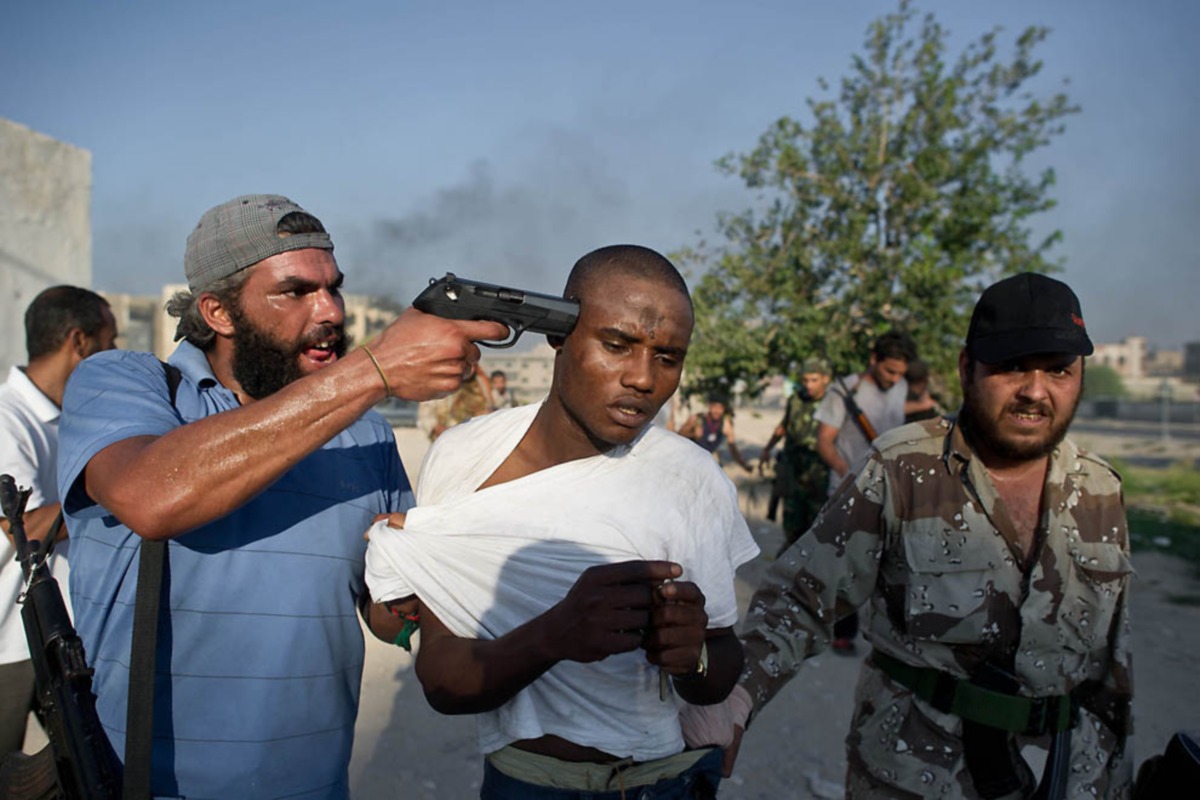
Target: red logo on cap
{"x": 1078, "y": 320}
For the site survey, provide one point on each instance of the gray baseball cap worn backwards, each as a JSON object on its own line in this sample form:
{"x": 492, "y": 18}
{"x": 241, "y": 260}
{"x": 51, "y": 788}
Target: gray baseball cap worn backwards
{"x": 240, "y": 233}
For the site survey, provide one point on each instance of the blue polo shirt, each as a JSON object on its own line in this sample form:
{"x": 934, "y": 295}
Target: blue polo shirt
{"x": 260, "y": 658}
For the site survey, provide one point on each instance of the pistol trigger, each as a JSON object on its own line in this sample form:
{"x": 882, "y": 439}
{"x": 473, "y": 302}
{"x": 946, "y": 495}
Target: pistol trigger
{"x": 516, "y": 330}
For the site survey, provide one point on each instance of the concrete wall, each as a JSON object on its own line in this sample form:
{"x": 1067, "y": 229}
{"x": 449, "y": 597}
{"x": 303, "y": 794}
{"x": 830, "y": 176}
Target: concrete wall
{"x": 528, "y": 374}
{"x": 45, "y": 226}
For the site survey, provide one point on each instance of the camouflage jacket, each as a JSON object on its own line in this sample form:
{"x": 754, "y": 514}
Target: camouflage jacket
{"x": 467, "y": 403}
{"x": 800, "y": 434}
{"x": 921, "y": 536}
{"x": 799, "y": 428}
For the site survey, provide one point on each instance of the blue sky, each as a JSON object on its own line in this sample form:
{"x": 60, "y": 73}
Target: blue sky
{"x": 503, "y": 140}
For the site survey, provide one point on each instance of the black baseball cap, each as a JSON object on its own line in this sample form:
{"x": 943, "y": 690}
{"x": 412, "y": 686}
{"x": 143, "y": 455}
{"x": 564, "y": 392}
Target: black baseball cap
{"x": 1025, "y": 315}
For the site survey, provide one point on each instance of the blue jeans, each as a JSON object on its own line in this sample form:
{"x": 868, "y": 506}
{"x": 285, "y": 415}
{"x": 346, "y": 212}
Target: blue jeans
{"x": 698, "y": 782}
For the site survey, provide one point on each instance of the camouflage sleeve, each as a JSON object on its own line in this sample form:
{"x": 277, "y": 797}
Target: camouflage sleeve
{"x": 1116, "y": 706}
{"x": 1112, "y": 704}
{"x": 826, "y": 574}
{"x": 1110, "y": 700}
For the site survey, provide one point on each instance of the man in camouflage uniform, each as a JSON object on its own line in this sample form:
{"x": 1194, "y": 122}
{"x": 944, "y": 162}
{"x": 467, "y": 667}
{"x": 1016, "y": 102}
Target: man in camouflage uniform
{"x": 800, "y": 474}
{"x": 994, "y": 555}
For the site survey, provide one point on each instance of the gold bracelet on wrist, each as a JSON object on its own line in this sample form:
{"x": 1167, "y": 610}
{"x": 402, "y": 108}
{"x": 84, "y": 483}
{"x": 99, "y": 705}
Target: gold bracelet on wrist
{"x": 387, "y": 387}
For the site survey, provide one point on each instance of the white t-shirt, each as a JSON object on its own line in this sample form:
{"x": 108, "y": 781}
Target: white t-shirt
{"x": 488, "y": 561}
{"x": 28, "y": 448}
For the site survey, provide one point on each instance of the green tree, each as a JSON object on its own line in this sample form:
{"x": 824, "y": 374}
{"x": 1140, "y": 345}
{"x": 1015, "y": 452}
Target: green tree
{"x": 894, "y": 206}
{"x": 1101, "y": 382}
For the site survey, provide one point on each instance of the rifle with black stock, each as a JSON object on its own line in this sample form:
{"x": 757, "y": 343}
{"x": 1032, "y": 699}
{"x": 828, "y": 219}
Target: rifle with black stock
{"x": 79, "y": 763}
{"x": 453, "y": 297}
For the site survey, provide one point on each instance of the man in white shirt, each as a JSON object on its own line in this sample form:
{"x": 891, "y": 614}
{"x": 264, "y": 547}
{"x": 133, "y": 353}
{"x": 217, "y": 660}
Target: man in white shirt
{"x": 575, "y": 563}
{"x": 63, "y": 326}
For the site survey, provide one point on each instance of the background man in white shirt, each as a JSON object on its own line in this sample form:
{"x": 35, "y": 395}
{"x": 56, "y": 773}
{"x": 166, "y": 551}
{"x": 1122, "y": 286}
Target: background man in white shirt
{"x": 63, "y": 326}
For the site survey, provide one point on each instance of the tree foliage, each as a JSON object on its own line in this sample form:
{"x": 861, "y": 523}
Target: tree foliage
{"x": 902, "y": 197}
{"x": 1102, "y": 382}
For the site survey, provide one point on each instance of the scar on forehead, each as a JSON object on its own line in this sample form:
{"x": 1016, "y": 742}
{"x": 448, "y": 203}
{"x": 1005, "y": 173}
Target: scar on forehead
{"x": 650, "y": 320}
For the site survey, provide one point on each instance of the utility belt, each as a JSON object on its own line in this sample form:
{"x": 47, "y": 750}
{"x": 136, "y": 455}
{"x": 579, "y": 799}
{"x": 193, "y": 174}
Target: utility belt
{"x": 991, "y": 712}
{"x": 1031, "y": 716}
{"x": 584, "y": 776}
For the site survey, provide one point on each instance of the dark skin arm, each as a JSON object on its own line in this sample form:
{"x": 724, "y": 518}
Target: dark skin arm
{"x": 37, "y": 524}
{"x": 678, "y": 614}
{"x": 733, "y": 448}
{"x": 677, "y": 611}
{"x": 765, "y": 458}
{"x": 386, "y": 620}
{"x": 725, "y": 661}
{"x": 605, "y": 613}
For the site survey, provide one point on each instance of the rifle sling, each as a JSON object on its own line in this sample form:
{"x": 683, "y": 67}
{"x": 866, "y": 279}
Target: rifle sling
{"x": 139, "y": 727}
{"x": 52, "y": 536}
{"x": 139, "y": 719}
{"x": 856, "y": 413}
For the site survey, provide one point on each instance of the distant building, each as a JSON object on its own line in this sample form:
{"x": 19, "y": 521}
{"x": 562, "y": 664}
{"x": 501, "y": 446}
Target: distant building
{"x": 529, "y": 374}
{"x": 143, "y": 322}
{"x": 1128, "y": 358}
{"x": 1164, "y": 363}
{"x": 137, "y": 321}
{"x": 1191, "y": 361}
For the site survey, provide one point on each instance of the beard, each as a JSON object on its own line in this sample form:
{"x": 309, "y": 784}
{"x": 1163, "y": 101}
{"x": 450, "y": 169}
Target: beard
{"x": 987, "y": 431}
{"x": 263, "y": 365}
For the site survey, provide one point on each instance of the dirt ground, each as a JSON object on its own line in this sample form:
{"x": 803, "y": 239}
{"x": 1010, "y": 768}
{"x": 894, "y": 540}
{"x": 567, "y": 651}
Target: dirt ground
{"x": 403, "y": 749}
{"x": 795, "y": 750}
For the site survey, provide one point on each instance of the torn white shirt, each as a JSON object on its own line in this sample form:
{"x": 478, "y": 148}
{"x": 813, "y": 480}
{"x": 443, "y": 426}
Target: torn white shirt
{"x": 488, "y": 561}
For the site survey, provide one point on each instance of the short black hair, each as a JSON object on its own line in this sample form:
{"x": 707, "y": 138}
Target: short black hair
{"x": 627, "y": 259}
{"x": 298, "y": 222}
{"x": 499, "y": 373}
{"x": 895, "y": 344}
{"x": 55, "y": 312}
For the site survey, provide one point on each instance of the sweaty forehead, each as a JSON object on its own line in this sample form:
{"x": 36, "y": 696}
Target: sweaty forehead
{"x": 650, "y": 318}
{"x": 651, "y": 304}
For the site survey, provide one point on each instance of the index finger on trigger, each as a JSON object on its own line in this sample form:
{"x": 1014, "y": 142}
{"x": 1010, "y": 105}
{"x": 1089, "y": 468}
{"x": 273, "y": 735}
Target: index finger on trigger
{"x": 483, "y": 330}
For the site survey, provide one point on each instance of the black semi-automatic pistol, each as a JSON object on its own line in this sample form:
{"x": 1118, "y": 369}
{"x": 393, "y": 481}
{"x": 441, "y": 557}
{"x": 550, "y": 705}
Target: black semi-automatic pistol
{"x": 453, "y": 297}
